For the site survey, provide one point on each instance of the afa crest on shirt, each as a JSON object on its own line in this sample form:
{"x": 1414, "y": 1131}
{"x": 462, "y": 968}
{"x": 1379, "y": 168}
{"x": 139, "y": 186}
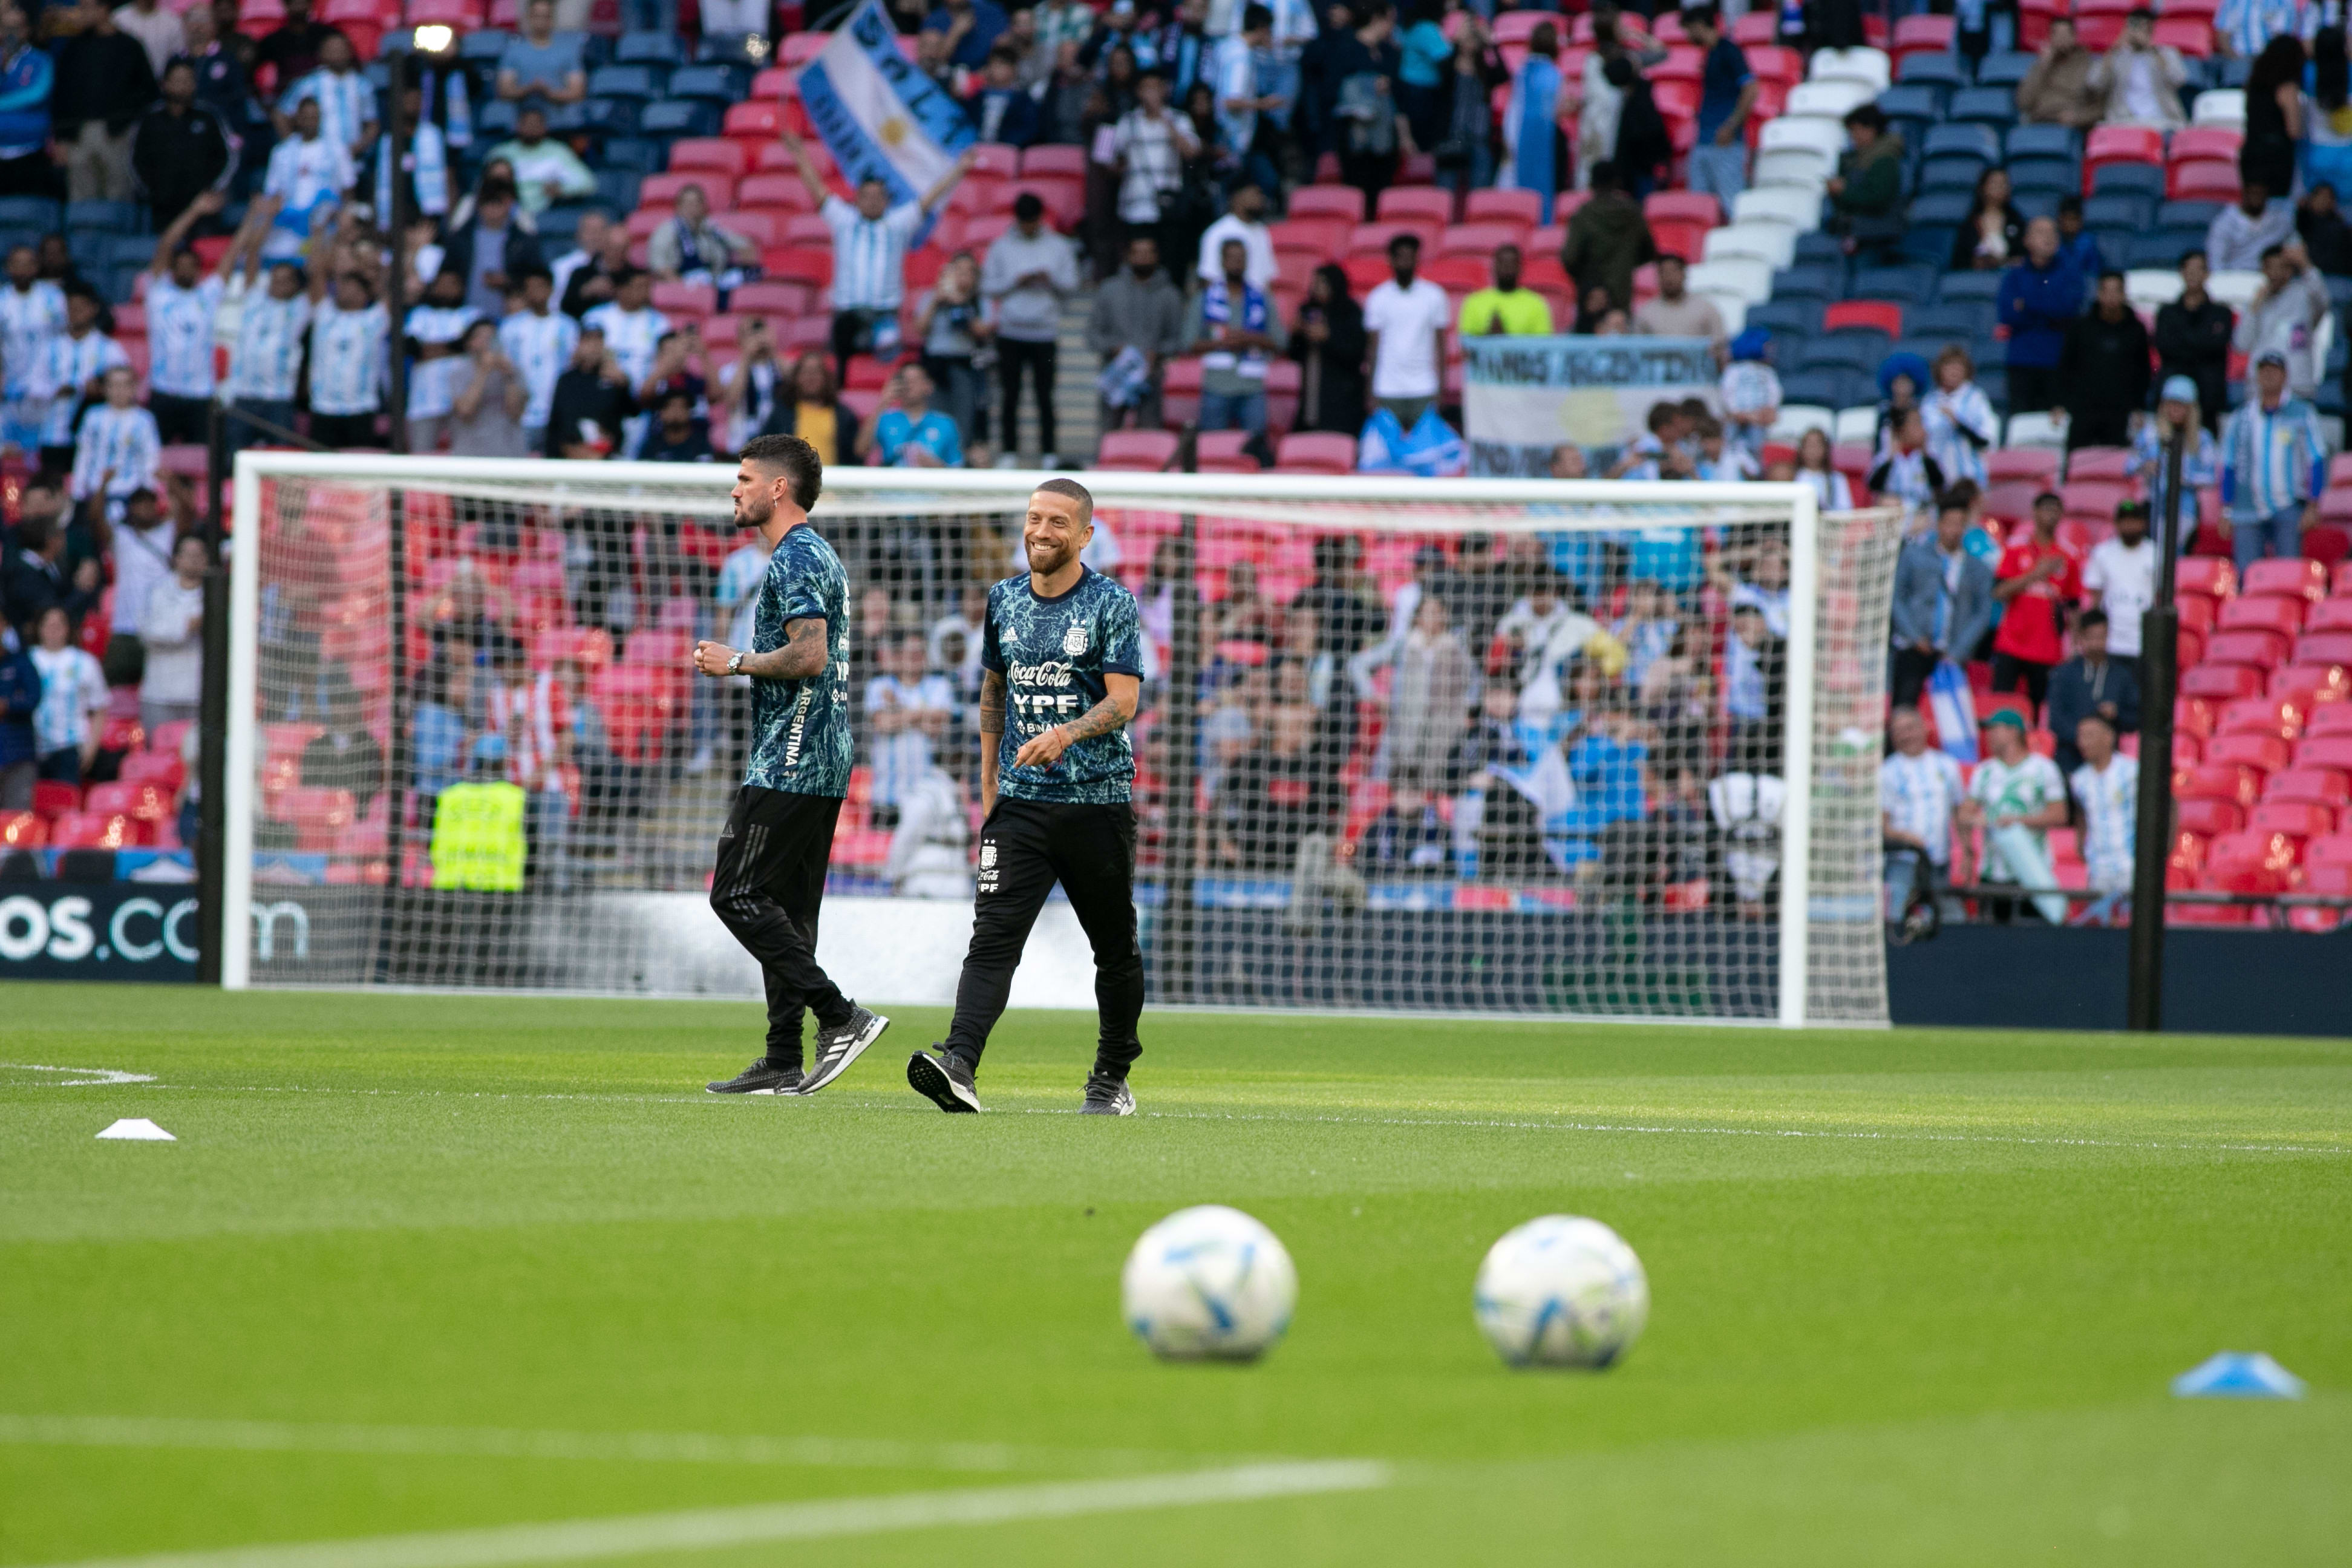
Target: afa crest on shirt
{"x": 1073, "y": 641}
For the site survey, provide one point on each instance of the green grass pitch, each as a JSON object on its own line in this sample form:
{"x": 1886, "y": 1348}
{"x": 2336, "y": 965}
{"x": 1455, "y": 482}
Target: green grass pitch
{"x": 421, "y": 1267}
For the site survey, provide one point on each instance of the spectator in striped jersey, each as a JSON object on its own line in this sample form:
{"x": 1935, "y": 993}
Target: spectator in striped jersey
{"x": 266, "y": 363}
{"x": 68, "y": 374}
{"x": 539, "y": 339}
{"x": 346, "y": 102}
{"x": 349, "y": 332}
{"x": 181, "y": 302}
{"x": 116, "y": 448}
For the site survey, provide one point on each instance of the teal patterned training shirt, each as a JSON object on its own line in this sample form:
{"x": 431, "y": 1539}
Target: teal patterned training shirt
{"x": 1052, "y": 654}
{"x": 800, "y": 728}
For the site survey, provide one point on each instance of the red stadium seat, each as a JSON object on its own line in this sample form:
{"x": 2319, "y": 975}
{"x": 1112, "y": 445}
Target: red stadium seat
{"x": 2219, "y": 143}
{"x": 662, "y": 190}
{"x": 146, "y": 802}
{"x": 1523, "y": 209}
{"x": 2266, "y": 752}
{"x": 22, "y": 830}
{"x": 319, "y": 816}
{"x": 2036, "y": 464}
{"x": 783, "y": 191}
{"x": 2321, "y": 750}
{"x": 2298, "y": 819}
{"x": 2210, "y": 575}
{"x": 2203, "y": 180}
{"x": 1317, "y": 452}
{"x": 1327, "y": 200}
{"x": 685, "y": 299}
{"x": 2324, "y": 648}
{"x": 2310, "y": 685}
{"x": 2263, "y": 613}
{"x": 1137, "y": 451}
{"x": 2250, "y": 862}
{"x": 2219, "y": 781}
{"x": 1054, "y": 163}
{"x": 1479, "y": 240}
{"x": 52, "y": 799}
{"x": 2105, "y": 463}
{"x": 2123, "y": 144}
{"x": 2261, "y": 715}
{"x": 753, "y": 121}
{"x": 715, "y": 153}
{"x": 2297, "y": 578}
{"x": 2200, "y": 815}
{"x": 2265, "y": 650}
{"x": 1410, "y": 203}
{"x": 2330, "y": 788}
{"x": 94, "y": 830}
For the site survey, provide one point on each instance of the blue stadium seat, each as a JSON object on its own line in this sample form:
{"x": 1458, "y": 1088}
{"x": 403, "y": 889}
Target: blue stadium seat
{"x": 610, "y": 116}
{"x": 617, "y": 188}
{"x": 2128, "y": 179}
{"x": 482, "y": 48}
{"x": 1977, "y": 142}
{"x": 2036, "y": 203}
{"x": 134, "y": 249}
{"x": 2161, "y": 249}
{"x": 1913, "y": 100}
{"x": 2063, "y": 176}
{"x": 111, "y": 217}
{"x": 732, "y": 50}
{"x": 1842, "y": 351}
{"x": 2199, "y": 216}
{"x": 121, "y": 282}
{"x": 634, "y": 155}
{"x": 10, "y": 239}
{"x": 1958, "y": 288}
{"x": 568, "y": 119}
{"x": 650, "y": 48}
{"x": 2045, "y": 141}
{"x": 1912, "y": 283}
{"x": 1797, "y": 318}
{"x": 1821, "y": 248}
{"x": 37, "y": 213}
{"x": 1928, "y": 242}
{"x": 1944, "y": 71}
{"x": 2339, "y": 292}
{"x": 557, "y": 225}
{"x": 2005, "y": 70}
{"x": 641, "y": 83}
{"x": 1823, "y": 388}
{"x": 1992, "y": 375}
{"x": 88, "y": 246}
{"x": 1995, "y": 106}
{"x": 1949, "y": 317}
{"x": 2114, "y": 241}
{"x": 1950, "y": 174}
{"x": 1926, "y": 345}
{"x": 1809, "y": 282}
{"x": 715, "y": 84}
{"x": 1950, "y": 208}
{"x": 680, "y": 117}
{"x": 379, "y": 77}
{"x": 495, "y": 121}
{"x": 2229, "y": 72}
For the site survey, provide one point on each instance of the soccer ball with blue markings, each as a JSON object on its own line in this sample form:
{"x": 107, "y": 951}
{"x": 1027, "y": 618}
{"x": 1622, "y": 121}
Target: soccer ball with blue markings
{"x": 1209, "y": 1284}
{"x": 1562, "y": 1292}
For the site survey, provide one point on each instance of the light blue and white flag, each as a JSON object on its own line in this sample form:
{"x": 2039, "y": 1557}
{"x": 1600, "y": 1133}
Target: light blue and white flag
{"x": 1954, "y": 706}
{"x": 880, "y": 118}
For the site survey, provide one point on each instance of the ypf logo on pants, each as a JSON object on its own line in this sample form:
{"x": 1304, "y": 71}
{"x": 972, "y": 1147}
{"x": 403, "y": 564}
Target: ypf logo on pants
{"x": 987, "y": 882}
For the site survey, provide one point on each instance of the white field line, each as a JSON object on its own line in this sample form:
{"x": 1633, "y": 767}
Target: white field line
{"x": 1479, "y": 1123}
{"x": 637, "y": 1447}
{"x": 702, "y": 1529}
{"x": 89, "y": 1075}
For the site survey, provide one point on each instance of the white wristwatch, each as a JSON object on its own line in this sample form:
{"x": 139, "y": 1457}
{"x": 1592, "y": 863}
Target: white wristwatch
{"x": 735, "y": 665}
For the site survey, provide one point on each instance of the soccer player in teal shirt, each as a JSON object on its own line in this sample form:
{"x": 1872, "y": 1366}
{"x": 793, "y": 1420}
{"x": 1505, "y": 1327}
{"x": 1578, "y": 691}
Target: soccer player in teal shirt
{"x": 1062, "y": 656}
{"x": 769, "y": 878}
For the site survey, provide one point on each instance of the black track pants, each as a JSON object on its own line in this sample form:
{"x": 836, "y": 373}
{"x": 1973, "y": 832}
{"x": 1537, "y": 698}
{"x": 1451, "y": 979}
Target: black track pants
{"x": 1025, "y": 847}
{"x": 768, "y": 885}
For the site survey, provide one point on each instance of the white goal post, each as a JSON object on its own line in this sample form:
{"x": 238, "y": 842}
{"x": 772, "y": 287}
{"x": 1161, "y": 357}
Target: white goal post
{"x": 347, "y": 532}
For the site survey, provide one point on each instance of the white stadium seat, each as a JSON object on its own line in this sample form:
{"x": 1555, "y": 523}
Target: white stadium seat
{"x": 1856, "y": 427}
{"x": 2035, "y": 430}
{"x": 1749, "y": 280}
{"x": 1778, "y": 203}
{"x": 2235, "y": 289}
{"x": 2220, "y": 106}
{"x": 1774, "y": 244}
{"x": 1869, "y": 67}
{"x": 1796, "y": 419}
{"x": 2150, "y": 286}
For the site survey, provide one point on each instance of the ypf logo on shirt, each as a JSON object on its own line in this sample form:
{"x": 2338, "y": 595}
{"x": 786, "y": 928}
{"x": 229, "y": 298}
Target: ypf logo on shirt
{"x": 1073, "y": 641}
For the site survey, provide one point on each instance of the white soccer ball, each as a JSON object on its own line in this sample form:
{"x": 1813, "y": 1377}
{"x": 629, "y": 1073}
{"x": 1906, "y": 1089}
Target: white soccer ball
{"x": 1209, "y": 1283}
{"x": 1562, "y": 1292}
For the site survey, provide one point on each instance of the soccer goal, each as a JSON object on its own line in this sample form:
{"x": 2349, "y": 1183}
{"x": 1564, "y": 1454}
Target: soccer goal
{"x": 1521, "y": 747}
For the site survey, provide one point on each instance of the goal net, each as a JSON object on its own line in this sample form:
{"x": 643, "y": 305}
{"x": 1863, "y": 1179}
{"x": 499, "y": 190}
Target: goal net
{"x": 1518, "y": 747}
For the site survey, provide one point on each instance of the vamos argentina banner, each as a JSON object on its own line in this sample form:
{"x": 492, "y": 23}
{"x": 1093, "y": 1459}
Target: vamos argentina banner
{"x": 98, "y": 930}
{"x": 1524, "y": 396}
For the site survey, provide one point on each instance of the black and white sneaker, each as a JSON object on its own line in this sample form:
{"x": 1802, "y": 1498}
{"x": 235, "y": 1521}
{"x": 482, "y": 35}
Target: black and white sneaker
{"x": 761, "y": 1078}
{"x": 1107, "y": 1096}
{"x": 944, "y": 1080}
{"x": 836, "y": 1048}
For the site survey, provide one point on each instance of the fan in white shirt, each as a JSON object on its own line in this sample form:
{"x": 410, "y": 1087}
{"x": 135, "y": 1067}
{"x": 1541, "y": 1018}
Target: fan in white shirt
{"x": 437, "y": 327}
{"x": 32, "y": 312}
{"x": 116, "y": 450}
{"x": 346, "y": 102}
{"x": 540, "y": 341}
{"x": 1406, "y": 318}
{"x": 308, "y": 174}
{"x": 632, "y": 329}
{"x": 2120, "y": 578}
{"x": 70, "y": 365}
{"x": 349, "y": 335}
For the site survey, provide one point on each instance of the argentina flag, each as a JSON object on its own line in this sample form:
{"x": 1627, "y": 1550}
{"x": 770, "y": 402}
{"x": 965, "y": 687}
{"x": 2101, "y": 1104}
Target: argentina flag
{"x": 880, "y": 118}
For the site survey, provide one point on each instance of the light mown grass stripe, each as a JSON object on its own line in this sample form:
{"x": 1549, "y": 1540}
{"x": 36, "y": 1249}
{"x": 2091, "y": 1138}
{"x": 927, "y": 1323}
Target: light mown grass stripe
{"x": 507, "y": 1443}
{"x": 702, "y": 1529}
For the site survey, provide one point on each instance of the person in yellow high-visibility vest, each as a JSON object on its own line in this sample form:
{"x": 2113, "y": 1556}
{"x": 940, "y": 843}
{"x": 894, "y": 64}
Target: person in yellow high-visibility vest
{"x": 479, "y": 842}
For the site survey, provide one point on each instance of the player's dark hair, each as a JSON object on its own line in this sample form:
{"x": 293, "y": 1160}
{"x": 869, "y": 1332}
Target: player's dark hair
{"x": 790, "y": 456}
{"x": 1076, "y": 492}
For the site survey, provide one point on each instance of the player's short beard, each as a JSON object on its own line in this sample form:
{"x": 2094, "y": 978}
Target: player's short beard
{"x": 1046, "y": 557}
{"x": 745, "y": 517}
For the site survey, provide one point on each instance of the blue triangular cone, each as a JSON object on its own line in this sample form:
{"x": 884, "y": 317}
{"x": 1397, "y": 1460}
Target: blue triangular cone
{"x": 2235, "y": 1374}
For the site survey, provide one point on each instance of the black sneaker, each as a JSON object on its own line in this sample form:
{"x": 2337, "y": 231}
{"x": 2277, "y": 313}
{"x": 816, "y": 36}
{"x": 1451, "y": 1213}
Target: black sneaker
{"x": 761, "y": 1078}
{"x": 836, "y": 1048}
{"x": 944, "y": 1080}
{"x": 1107, "y": 1096}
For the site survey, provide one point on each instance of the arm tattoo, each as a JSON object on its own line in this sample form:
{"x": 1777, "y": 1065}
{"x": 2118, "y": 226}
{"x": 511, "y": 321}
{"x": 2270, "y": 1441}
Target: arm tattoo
{"x": 801, "y": 656}
{"x": 991, "y": 704}
{"x": 1100, "y": 719}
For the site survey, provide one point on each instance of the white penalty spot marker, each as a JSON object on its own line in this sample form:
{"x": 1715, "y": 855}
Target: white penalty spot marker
{"x": 138, "y": 1129}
